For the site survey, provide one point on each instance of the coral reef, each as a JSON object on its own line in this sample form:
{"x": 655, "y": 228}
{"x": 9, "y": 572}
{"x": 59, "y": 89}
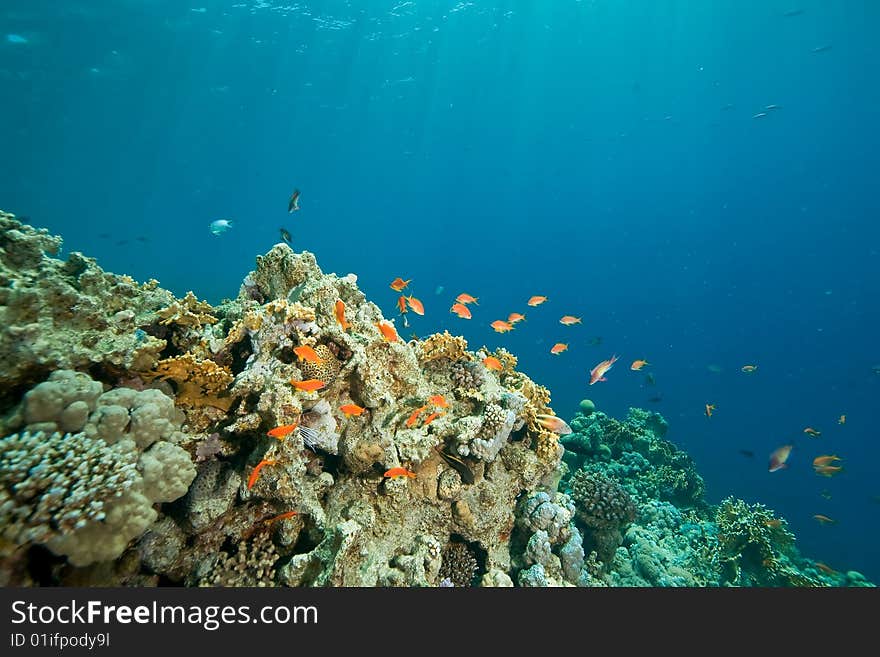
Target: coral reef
{"x": 88, "y": 492}
{"x": 138, "y": 449}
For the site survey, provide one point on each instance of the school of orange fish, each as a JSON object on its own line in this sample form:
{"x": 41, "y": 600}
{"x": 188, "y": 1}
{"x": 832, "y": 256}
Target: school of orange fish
{"x": 824, "y": 465}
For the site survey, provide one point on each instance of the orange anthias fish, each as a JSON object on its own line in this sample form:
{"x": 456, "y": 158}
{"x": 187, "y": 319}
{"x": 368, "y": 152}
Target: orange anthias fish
{"x": 466, "y": 298}
{"x": 414, "y": 416}
{"x": 828, "y": 570}
{"x": 282, "y": 516}
{"x": 256, "y": 471}
{"x": 537, "y": 300}
{"x": 841, "y": 419}
{"x": 340, "y": 315}
{"x": 828, "y": 470}
{"x": 558, "y": 348}
{"x": 401, "y": 304}
{"x": 513, "y": 318}
{"x": 554, "y": 424}
{"x": 417, "y": 307}
{"x": 308, "y": 354}
{"x": 433, "y": 416}
{"x": 568, "y": 320}
{"x": 351, "y": 409}
{"x": 825, "y": 459}
{"x": 598, "y": 373}
{"x": 398, "y": 284}
{"x": 389, "y": 333}
{"x": 439, "y": 401}
{"x": 638, "y": 364}
{"x": 399, "y": 473}
{"x": 779, "y": 457}
{"x": 824, "y": 520}
{"x": 748, "y": 369}
{"x": 812, "y": 432}
{"x": 283, "y": 431}
{"x": 461, "y": 310}
{"x": 493, "y": 363}
{"x": 308, "y": 386}
{"x": 501, "y": 326}
{"x": 709, "y": 409}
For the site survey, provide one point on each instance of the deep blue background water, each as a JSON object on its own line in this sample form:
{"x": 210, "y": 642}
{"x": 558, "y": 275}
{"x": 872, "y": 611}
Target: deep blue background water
{"x": 601, "y": 153}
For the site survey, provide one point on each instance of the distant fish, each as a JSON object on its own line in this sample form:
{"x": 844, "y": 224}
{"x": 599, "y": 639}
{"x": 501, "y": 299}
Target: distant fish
{"x": 748, "y": 369}
{"x": 759, "y": 115}
{"x": 747, "y": 453}
{"x": 513, "y": 318}
{"x": 826, "y": 494}
{"x": 220, "y": 226}
{"x": 536, "y": 300}
{"x": 779, "y": 458}
{"x": 649, "y": 379}
{"x": 293, "y": 203}
{"x": 439, "y": 289}
{"x": 771, "y": 108}
{"x": 595, "y": 341}
{"x": 791, "y": 13}
{"x": 461, "y": 310}
{"x": 466, "y": 298}
{"x": 552, "y": 423}
{"x": 558, "y": 348}
{"x": 824, "y": 520}
{"x": 810, "y": 431}
{"x": 715, "y": 369}
{"x": 398, "y": 284}
{"x": 415, "y": 305}
{"x": 709, "y": 409}
{"x": 569, "y": 320}
{"x": 841, "y": 419}
{"x": 875, "y": 369}
{"x": 104, "y": 236}
{"x": 824, "y": 48}
{"x": 16, "y": 38}
{"x": 638, "y": 364}
{"x": 141, "y": 238}
{"x": 656, "y": 399}
{"x": 285, "y": 236}
{"x": 399, "y": 473}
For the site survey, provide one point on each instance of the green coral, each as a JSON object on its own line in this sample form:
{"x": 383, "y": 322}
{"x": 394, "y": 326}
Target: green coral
{"x": 755, "y": 548}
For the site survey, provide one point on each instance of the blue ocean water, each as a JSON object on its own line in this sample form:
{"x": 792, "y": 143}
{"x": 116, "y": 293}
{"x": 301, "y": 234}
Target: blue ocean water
{"x": 696, "y": 180}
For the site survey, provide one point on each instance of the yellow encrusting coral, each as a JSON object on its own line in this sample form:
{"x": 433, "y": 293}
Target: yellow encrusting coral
{"x": 443, "y": 345}
{"x": 199, "y": 382}
{"x": 188, "y": 311}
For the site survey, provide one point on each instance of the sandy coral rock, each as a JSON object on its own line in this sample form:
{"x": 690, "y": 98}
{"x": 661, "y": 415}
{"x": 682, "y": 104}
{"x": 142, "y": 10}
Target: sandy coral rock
{"x": 498, "y": 422}
{"x": 211, "y": 494}
{"x": 496, "y": 578}
{"x": 420, "y": 567}
{"x": 61, "y": 314}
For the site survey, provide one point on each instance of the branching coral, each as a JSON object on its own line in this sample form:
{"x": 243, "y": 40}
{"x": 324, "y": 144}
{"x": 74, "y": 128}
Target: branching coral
{"x": 458, "y": 564}
{"x": 756, "y": 548}
{"x": 601, "y": 502}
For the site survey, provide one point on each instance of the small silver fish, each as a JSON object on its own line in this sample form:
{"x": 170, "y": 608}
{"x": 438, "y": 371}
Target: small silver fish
{"x": 220, "y": 226}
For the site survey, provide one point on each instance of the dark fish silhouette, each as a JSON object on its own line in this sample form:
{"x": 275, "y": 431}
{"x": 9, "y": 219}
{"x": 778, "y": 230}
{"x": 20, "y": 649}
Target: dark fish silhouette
{"x": 467, "y": 475}
{"x": 595, "y": 341}
{"x": 824, "y": 48}
{"x": 649, "y": 379}
{"x": 793, "y": 12}
{"x": 656, "y": 399}
{"x": 285, "y": 235}
{"x": 747, "y": 453}
{"x": 293, "y": 203}
{"x": 141, "y": 238}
